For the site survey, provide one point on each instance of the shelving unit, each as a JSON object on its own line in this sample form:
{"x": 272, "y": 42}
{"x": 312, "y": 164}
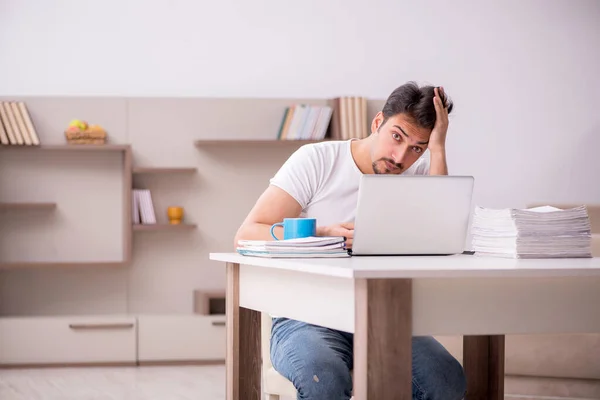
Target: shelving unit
{"x": 125, "y": 150}
{"x": 163, "y": 171}
{"x": 27, "y": 206}
{"x": 120, "y": 339}
{"x": 129, "y": 321}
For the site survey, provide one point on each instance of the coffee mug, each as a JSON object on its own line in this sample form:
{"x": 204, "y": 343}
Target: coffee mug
{"x": 294, "y": 228}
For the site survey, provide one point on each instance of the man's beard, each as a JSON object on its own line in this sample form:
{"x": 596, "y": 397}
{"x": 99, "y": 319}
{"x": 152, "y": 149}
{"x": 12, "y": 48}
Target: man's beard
{"x": 385, "y": 170}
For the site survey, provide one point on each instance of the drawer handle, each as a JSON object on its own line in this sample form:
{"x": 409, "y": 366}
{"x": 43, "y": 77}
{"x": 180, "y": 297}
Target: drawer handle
{"x": 218, "y": 323}
{"x": 100, "y": 326}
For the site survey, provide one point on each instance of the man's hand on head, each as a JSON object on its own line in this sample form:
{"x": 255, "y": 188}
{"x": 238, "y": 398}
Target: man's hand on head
{"x": 437, "y": 140}
{"x": 345, "y": 229}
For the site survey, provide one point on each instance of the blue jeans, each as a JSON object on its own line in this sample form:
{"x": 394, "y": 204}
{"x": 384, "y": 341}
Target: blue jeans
{"x": 318, "y": 362}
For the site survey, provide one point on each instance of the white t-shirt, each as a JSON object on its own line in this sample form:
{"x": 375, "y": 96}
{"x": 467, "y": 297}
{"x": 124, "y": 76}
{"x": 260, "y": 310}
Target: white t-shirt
{"x": 324, "y": 180}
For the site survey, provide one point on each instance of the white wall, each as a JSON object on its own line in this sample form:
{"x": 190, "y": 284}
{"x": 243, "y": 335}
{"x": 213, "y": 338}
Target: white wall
{"x": 525, "y": 75}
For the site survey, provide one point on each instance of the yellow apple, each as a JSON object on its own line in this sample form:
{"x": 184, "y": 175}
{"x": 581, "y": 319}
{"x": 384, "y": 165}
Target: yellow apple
{"x": 78, "y": 123}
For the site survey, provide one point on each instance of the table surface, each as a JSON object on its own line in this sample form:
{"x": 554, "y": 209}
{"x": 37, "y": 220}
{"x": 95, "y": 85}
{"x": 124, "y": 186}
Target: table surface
{"x": 453, "y": 266}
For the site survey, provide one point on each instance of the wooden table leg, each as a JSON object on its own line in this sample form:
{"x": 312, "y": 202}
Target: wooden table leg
{"x": 383, "y": 339}
{"x": 484, "y": 366}
{"x": 243, "y": 343}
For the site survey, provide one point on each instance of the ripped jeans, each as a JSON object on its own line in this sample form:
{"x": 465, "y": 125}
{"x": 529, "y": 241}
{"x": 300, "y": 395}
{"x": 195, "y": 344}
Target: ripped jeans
{"x": 318, "y": 362}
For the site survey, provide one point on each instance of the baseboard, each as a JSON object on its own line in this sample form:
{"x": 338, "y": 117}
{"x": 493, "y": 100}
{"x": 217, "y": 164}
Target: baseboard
{"x": 159, "y": 363}
{"x": 67, "y": 365}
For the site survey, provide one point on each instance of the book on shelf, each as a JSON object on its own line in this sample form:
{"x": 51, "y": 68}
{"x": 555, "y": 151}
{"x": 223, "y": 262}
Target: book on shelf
{"x": 143, "y": 208}
{"x": 539, "y": 232}
{"x": 16, "y": 127}
{"x": 309, "y": 247}
{"x": 349, "y": 118}
{"x": 305, "y": 122}
{"x": 345, "y": 118}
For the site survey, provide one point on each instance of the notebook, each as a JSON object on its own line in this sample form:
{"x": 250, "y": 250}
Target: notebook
{"x": 309, "y": 247}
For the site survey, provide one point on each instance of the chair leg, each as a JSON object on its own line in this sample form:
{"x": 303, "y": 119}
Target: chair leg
{"x": 272, "y": 397}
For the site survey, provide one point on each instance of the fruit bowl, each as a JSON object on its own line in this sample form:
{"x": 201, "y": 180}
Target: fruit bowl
{"x": 79, "y": 132}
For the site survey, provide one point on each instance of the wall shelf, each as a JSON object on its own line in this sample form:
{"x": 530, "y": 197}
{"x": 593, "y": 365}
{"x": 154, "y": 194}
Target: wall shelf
{"x": 163, "y": 227}
{"x": 57, "y": 264}
{"x": 27, "y": 206}
{"x": 163, "y": 170}
{"x": 70, "y": 147}
{"x": 256, "y": 142}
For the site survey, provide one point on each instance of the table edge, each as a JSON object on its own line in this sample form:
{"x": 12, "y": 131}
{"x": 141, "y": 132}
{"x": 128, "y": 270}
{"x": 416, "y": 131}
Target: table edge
{"x": 336, "y": 271}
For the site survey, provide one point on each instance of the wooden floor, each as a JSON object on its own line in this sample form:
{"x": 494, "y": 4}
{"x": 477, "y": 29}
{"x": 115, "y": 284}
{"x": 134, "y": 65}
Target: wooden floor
{"x": 120, "y": 383}
{"x": 128, "y": 383}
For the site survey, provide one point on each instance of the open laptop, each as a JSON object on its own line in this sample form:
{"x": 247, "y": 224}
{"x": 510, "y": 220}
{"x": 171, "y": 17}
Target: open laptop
{"x": 412, "y": 215}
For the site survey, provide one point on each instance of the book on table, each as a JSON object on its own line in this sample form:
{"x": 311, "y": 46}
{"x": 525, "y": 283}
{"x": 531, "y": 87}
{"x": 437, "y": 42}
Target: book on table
{"x": 540, "y": 232}
{"x": 309, "y": 247}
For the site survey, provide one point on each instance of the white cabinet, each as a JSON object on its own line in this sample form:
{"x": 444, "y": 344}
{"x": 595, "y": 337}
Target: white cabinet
{"x": 68, "y": 340}
{"x": 181, "y": 338}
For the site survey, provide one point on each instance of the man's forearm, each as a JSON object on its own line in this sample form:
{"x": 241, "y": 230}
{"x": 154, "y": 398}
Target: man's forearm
{"x": 256, "y": 231}
{"x": 438, "y": 165}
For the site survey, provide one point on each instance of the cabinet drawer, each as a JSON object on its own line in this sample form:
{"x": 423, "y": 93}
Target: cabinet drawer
{"x": 181, "y": 338}
{"x": 67, "y": 340}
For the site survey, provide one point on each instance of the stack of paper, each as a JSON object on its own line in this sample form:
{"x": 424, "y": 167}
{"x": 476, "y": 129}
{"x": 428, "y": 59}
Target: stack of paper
{"x": 541, "y": 232}
{"x": 310, "y": 247}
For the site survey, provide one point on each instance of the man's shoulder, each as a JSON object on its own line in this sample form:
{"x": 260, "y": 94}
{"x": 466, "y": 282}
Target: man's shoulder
{"x": 327, "y": 148}
{"x": 320, "y": 156}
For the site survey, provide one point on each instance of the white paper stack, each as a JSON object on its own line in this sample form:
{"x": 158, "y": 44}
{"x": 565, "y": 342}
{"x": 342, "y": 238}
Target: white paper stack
{"x": 540, "y": 232}
{"x": 310, "y": 247}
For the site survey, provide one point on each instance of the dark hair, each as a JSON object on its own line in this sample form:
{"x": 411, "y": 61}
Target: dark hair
{"x": 415, "y": 101}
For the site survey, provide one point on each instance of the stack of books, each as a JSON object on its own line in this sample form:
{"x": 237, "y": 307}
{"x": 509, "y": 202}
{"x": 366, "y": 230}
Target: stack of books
{"x": 349, "y": 118}
{"x": 310, "y": 247}
{"x": 305, "y": 122}
{"x": 16, "y": 126}
{"x": 143, "y": 207}
{"x": 540, "y": 232}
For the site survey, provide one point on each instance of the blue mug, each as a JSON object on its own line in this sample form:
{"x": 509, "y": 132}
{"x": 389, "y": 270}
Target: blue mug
{"x": 295, "y": 228}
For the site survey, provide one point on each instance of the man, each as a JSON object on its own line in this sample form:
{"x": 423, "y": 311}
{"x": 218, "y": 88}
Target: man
{"x": 321, "y": 181}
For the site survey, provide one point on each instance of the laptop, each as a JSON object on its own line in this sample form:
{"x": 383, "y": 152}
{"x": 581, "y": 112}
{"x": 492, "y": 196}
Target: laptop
{"x": 412, "y": 215}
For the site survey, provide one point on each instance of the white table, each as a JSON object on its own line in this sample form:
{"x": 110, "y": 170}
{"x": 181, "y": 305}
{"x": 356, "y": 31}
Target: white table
{"x": 384, "y": 301}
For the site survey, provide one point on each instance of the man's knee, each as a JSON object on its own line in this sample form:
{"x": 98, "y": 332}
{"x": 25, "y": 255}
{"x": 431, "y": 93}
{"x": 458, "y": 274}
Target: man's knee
{"x": 452, "y": 382}
{"x": 316, "y": 375}
{"x": 437, "y": 374}
{"x": 316, "y": 360}
{"x": 323, "y": 378}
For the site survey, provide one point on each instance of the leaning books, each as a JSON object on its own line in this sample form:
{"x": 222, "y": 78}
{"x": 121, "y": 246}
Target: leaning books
{"x": 540, "y": 232}
{"x": 310, "y": 247}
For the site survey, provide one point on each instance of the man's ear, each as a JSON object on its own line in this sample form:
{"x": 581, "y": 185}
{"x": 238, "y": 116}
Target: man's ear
{"x": 377, "y": 122}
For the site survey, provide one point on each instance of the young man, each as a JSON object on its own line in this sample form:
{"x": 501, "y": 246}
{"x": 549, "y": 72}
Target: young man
{"x": 321, "y": 181}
